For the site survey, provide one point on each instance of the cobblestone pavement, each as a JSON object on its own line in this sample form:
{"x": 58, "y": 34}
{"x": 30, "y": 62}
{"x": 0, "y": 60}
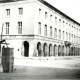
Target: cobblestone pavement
{"x": 40, "y": 73}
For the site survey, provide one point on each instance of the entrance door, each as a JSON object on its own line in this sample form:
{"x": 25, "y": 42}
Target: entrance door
{"x": 26, "y": 49}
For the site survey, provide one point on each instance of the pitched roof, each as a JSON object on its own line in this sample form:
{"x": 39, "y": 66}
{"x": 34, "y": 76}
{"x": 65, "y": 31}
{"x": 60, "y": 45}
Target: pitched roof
{"x": 55, "y": 9}
{"x": 47, "y": 4}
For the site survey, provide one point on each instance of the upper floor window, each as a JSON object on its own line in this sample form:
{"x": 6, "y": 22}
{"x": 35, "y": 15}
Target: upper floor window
{"x": 66, "y": 36}
{"x": 69, "y": 25}
{"x": 51, "y": 18}
{"x": 39, "y": 28}
{"x": 69, "y": 37}
{"x": 72, "y": 27}
{"x": 63, "y": 35}
{"x": 45, "y": 30}
{"x": 63, "y": 24}
{"x": 7, "y": 27}
{"x": 20, "y": 11}
{"x": 7, "y": 12}
{"x": 55, "y": 33}
{"x": 40, "y": 12}
{"x": 55, "y": 19}
{"x": 59, "y": 21}
{"x": 20, "y": 27}
{"x": 66, "y": 24}
{"x": 72, "y": 37}
{"x": 46, "y": 15}
{"x": 59, "y": 34}
{"x": 50, "y": 31}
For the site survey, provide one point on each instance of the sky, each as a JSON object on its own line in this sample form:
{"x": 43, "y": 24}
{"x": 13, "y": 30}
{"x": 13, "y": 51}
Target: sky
{"x": 69, "y": 7}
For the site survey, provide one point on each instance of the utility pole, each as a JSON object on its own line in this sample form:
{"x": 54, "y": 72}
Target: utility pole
{"x": 2, "y": 40}
{"x": 2, "y": 31}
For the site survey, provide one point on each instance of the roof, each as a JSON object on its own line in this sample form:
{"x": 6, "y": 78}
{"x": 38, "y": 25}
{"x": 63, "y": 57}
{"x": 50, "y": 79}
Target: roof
{"x": 55, "y": 9}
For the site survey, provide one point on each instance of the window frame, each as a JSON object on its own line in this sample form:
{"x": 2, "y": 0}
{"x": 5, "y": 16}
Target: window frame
{"x": 20, "y": 10}
{"x": 20, "y": 27}
{"x": 8, "y": 12}
{"x": 7, "y": 27}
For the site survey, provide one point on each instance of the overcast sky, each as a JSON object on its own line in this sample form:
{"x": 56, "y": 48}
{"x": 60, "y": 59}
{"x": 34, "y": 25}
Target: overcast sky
{"x": 69, "y": 7}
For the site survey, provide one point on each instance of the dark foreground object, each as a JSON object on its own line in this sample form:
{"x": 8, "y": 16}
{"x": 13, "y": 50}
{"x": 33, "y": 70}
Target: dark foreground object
{"x": 39, "y": 73}
{"x": 7, "y": 60}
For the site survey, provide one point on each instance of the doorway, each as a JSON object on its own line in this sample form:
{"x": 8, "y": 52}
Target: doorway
{"x": 26, "y": 49}
{"x": 39, "y": 48}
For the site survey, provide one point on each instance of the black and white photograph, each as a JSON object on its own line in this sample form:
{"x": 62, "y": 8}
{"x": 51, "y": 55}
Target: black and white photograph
{"x": 39, "y": 40}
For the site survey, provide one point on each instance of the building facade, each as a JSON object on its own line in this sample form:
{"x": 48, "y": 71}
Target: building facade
{"x": 35, "y": 28}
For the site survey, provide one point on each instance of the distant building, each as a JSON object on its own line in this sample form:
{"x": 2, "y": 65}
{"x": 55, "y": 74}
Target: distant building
{"x": 34, "y": 28}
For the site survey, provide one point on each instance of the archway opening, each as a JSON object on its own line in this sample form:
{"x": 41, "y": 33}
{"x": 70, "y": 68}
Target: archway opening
{"x": 39, "y": 48}
{"x": 62, "y": 50}
{"x": 50, "y": 50}
{"x": 26, "y": 49}
{"x": 45, "y": 49}
{"x": 59, "y": 50}
{"x": 55, "y": 49}
{"x": 72, "y": 51}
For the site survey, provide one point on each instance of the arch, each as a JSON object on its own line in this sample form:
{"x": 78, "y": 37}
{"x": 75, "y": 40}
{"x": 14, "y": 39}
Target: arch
{"x": 45, "y": 49}
{"x": 26, "y": 49}
{"x": 62, "y": 50}
{"x": 39, "y": 48}
{"x": 59, "y": 50}
{"x": 78, "y": 51}
{"x": 55, "y": 48}
{"x": 74, "y": 51}
{"x": 50, "y": 50}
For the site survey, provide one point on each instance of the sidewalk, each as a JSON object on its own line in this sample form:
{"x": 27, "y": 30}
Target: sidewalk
{"x": 67, "y": 63}
{"x": 70, "y": 63}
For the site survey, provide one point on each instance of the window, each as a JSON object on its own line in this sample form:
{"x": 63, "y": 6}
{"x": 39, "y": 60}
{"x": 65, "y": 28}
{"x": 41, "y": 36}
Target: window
{"x": 63, "y": 24}
{"x": 51, "y": 18}
{"x": 59, "y": 21}
{"x": 19, "y": 27}
{"x": 7, "y": 12}
{"x": 50, "y": 31}
{"x": 69, "y": 26}
{"x": 20, "y": 11}
{"x": 39, "y": 28}
{"x": 55, "y": 33}
{"x": 45, "y": 30}
{"x": 66, "y": 25}
{"x": 72, "y": 27}
{"x": 72, "y": 37}
{"x": 40, "y": 12}
{"x": 69, "y": 37}
{"x": 59, "y": 34}
{"x": 63, "y": 35}
{"x": 66, "y": 36}
{"x": 7, "y": 27}
{"x": 55, "y": 19}
{"x": 46, "y": 15}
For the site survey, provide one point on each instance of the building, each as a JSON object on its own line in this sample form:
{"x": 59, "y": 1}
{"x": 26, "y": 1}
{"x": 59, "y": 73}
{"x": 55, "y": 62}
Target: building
{"x": 35, "y": 28}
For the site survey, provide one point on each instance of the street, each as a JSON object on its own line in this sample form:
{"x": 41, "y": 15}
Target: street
{"x": 40, "y": 73}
